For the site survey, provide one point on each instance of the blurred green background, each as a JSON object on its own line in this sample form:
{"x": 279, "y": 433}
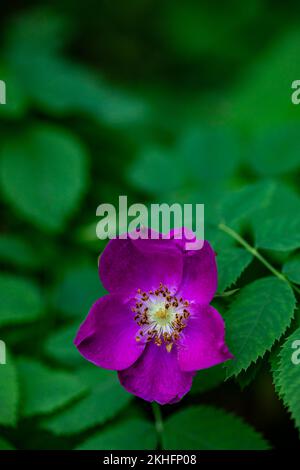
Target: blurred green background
{"x": 162, "y": 101}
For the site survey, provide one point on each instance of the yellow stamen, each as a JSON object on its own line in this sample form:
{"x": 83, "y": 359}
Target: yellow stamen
{"x": 160, "y": 320}
{"x": 161, "y": 313}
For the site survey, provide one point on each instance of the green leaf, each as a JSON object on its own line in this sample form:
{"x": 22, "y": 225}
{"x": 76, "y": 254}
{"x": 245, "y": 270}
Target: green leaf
{"x": 287, "y": 377}
{"x": 17, "y": 252}
{"x": 292, "y": 269}
{"x": 37, "y": 30}
{"x": 246, "y": 201}
{"x": 157, "y": 171}
{"x": 197, "y": 157}
{"x": 274, "y": 361}
{"x": 260, "y": 102}
{"x": 79, "y": 288}
{"x": 276, "y": 152}
{"x": 208, "y": 379}
{"x": 43, "y": 175}
{"x": 60, "y": 346}
{"x": 256, "y": 319}
{"x": 194, "y": 31}
{"x": 281, "y": 233}
{"x": 21, "y": 300}
{"x": 74, "y": 89}
{"x": 231, "y": 263}
{"x": 209, "y": 428}
{"x": 16, "y": 101}
{"x": 281, "y": 199}
{"x": 5, "y": 445}
{"x": 276, "y": 225}
{"x": 105, "y": 401}
{"x": 218, "y": 239}
{"x": 9, "y": 393}
{"x": 209, "y": 154}
{"x": 134, "y": 434}
{"x": 45, "y": 390}
{"x": 246, "y": 377}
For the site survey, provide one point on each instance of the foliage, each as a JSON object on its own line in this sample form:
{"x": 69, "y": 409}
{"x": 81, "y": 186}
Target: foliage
{"x": 207, "y": 428}
{"x": 164, "y": 102}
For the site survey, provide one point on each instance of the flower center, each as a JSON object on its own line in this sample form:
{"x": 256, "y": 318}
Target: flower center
{"x": 161, "y": 316}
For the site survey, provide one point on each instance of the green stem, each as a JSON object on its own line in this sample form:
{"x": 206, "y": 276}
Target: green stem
{"x": 232, "y": 233}
{"x": 159, "y": 425}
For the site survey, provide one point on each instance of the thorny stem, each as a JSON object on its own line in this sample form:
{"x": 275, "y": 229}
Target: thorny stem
{"x": 232, "y": 233}
{"x": 159, "y": 425}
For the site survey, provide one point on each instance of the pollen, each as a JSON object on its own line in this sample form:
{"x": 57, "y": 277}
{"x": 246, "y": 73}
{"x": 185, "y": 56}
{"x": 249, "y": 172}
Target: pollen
{"x": 161, "y": 316}
{"x": 162, "y": 313}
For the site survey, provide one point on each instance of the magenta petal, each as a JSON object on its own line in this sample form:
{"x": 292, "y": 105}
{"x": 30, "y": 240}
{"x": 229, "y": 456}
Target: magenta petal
{"x": 182, "y": 236}
{"x": 203, "y": 340}
{"x": 107, "y": 336}
{"x": 156, "y": 376}
{"x": 200, "y": 278}
{"x": 128, "y": 265}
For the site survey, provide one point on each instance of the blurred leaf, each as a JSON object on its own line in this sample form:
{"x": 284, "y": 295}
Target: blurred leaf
{"x": 201, "y": 155}
{"x": 231, "y": 263}
{"x": 44, "y": 390}
{"x": 157, "y": 171}
{"x": 74, "y": 89}
{"x": 16, "y": 251}
{"x": 208, "y": 428}
{"x": 79, "y": 288}
{"x": 209, "y": 154}
{"x": 5, "y": 445}
{"x": 135, "y": 409}
{"x": 38, "y": 30}
{"x": 208, "y": 379}
{"x": 292, "y": 269}
{"x": 256, "y": 319}
{"x": 16, "y": 100}
{"x": 260, "y": 101}
{"x": 43, "y": 175}
{"x": 105, "y": 401}
{"x": 193, "y": 29}
{"x": 60, "y": 346}
{"x": 287, "y": 377}
{"x": 9, "y": 393}
{"x": 70, "y": 88}
{"x": 21, "y": 301}
{"x": 134, "y": 434}
{"x": 276, "y": 152}
{"x": 185, "y": 103}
